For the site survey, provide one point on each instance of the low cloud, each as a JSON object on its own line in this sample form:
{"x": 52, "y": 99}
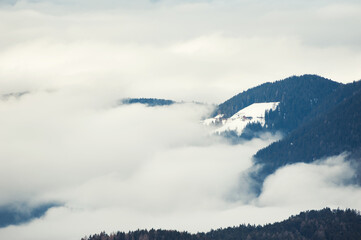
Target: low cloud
{"x": 130, "y": 166}
{"x": 323, "y": 183}
{"x": 98, "y": 159}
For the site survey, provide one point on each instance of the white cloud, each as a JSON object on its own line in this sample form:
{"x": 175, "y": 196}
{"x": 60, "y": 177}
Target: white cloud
{"x": 306, "y": 186}
{"x": 104, "y": 162}
{"x": 130, "y": 167}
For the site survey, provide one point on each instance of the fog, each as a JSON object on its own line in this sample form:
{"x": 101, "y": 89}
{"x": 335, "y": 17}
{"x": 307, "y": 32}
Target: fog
{"x": 98, "y": 162}
{"x": 122, "y": 167}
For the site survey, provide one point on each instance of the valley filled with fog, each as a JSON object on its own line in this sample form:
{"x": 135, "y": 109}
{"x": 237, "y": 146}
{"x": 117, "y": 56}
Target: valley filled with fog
{"x": 123, "y": 167}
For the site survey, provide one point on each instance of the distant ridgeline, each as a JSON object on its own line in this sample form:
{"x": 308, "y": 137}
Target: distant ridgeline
{"x": 20, "y": 214}
{"x": 15, "y": 95}
{"x": 323, "y": 224}
{"x": 318, "y": 117}
{"x": 150, "y": 102}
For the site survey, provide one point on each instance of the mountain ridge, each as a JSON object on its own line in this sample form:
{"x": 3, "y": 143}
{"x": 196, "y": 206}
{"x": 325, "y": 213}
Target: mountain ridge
{"x": 150, "y": 102}
{"x": 305, "y": 91}
{"x": 318, "y": 117}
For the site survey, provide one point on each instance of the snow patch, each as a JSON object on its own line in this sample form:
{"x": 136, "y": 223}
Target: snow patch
{"x": 254, "y": 113}
{"x": 213, "y": 121}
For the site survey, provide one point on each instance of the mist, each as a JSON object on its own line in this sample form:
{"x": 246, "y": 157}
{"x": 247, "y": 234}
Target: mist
{"x": 123, "y": 167}
{"x": 100, "y": 161}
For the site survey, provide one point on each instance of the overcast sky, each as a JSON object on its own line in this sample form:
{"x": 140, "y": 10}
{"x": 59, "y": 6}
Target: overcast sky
{"x": 183, "y": 50}
{"x": 128, "y": 167}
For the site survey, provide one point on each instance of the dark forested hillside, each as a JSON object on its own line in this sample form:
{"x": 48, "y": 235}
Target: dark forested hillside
{"x": 335, "y": 128}
{"x": 343, "y": 92}
{"x": 323, "y": 224}
{"x": 150, "y": 102}
{"x": 15, "y": 215}
{"x": 298, "y": 96}
{"x": 319, "y": 118}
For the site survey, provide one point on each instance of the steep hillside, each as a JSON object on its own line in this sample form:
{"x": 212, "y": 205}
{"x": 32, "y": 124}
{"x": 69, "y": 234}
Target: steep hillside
{"x": 336, "y": 128}
{"x": 298, "y": 96}
{"x": 323, "y": 224}
{"x": 254, "y": 114}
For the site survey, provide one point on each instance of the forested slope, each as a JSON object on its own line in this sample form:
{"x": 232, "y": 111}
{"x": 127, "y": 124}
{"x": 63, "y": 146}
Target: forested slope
{"x": 322, "y": 225}
{"x": 298, "y": 96}
{"x": 333, "y": 130}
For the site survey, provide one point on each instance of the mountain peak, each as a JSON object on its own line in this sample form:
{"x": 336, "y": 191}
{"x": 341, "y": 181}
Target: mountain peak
{"x": 296, "y": 92}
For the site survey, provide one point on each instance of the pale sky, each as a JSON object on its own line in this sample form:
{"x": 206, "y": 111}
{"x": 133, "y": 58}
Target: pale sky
{"x": 183, "y": 50}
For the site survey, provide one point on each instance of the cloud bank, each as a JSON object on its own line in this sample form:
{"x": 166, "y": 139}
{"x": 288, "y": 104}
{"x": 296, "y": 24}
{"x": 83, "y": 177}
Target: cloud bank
{"x": 127, "y": 167}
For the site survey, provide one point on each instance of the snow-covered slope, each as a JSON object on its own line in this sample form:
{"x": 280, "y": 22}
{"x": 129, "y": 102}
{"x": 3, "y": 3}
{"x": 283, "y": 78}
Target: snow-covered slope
{"x": 254, "y": 113}
{"x": 215, "y": 120}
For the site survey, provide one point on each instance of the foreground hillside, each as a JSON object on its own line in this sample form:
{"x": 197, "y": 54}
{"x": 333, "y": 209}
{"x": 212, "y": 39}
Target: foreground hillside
{"x": 323, "y": 224}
